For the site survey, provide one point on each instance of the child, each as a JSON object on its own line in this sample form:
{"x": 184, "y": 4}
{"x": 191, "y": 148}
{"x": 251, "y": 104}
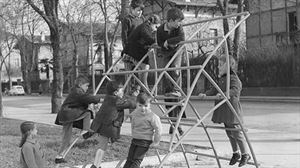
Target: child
{"x": 132, "y": 20}
{"x": 129, "y": 24}
{"x": 146, "y": 128}
{"x": 139, "y": 42}
{"x": 169, "y": 35}
{"x": 31, "y": 153}
{"x": 224, "y": 114}
{"x": 109, "y": 119}
{"x": 74, "y": 113}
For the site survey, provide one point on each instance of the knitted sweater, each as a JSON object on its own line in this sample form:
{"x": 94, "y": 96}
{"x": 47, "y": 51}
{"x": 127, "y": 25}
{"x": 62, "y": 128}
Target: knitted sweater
{"x": 144, "y": 125}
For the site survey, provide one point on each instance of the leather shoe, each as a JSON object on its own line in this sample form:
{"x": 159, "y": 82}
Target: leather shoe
{"x": 181, "y": 132}
{"x": 244, "y": 160}
{"x": 60, "y": 160}
{"x": 93, "y": 166}
{"x": 171, "y": 130}
{"x": 235, "y": 158}
{"x": 88, "y": 135}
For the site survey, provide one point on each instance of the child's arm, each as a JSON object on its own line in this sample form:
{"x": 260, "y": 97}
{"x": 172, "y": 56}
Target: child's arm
{"x": 89, "y": 99}
{"x": 156, "y": 124}
{"x": 125, "y": 103}
{"x": 175, "y": 40}
{"x": 210, "y": 92}
{"x": 235, "y": 86}
{"x": 28, "y": 155}
{"x": 125, "y": 28}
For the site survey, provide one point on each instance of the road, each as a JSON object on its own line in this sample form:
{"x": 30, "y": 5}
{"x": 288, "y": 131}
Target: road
{"x": 273, "y": 116}
{"x": 274, "y": 127}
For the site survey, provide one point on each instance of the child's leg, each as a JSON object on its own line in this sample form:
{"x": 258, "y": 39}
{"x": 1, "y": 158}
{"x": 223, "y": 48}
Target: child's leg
{"x": 137, "y": 153}
{"x": 231, "y": 136}
{"x": 87, "y": 121}
{"x": 144, "y": 76}
{"x": 103, "y": 144}
{"x": 130, "y": 156}
{"x": 240, "y": 139}
{"x": 66, "y": 140}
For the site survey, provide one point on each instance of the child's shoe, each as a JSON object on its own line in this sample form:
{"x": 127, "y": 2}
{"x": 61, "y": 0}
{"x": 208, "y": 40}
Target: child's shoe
{"x": 60, "y": 160}
{"x": 87, "y": 134}
{"x": 244, "y": 160}
{"x": 171, "y": 130}
{"x": 235, "y": 158}
{"x": 181, "y": 132}
{"x": 93, "y": 166}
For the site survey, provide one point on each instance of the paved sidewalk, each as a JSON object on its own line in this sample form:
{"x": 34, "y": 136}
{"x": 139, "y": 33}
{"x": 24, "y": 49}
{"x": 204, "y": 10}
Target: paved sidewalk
{"x": 273, "y": 149}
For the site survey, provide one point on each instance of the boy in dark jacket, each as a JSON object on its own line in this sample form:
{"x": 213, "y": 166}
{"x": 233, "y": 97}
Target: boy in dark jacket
{"x": 223, "y": 114}
{"x": 129, "y": 24}
{"x": 139, "y": 42}
{"x": 132, "y": 20}
{"x": 169, "y": 35}
{"x": 109, "y": 119}
{"x": 74, "y": 113}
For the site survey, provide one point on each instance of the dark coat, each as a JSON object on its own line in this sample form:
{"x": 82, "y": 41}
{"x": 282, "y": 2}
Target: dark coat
{"x": 75, "y": 107}
{"x": 109, "y": 118}
{"x": 223, "y": 114}
{"x": 139, "y": 41}
{"x": 174, "y": 37}
{"x": 129, "y": 24}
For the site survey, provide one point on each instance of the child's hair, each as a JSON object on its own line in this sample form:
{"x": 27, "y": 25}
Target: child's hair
{"x": 113, "y": 86}
{"x": 143, "y": 98}
{"x": 174, "y": 14}
{"x": 154, "y": 19}
{"x": 137, "y": 3}
{"x": 232, "y": 61}
{"x": 81, "y": 79}
{"x": 25, "y": 128}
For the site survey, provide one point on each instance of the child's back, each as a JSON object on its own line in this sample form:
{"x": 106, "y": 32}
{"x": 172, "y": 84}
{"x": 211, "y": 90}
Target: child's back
{"x": 31, "y": 155}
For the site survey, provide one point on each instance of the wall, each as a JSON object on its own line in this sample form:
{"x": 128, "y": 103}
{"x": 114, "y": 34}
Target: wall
{"x": 268, "y": 23}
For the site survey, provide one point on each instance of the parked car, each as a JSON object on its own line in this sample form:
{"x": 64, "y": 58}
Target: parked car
{"x": 16, "y": 90}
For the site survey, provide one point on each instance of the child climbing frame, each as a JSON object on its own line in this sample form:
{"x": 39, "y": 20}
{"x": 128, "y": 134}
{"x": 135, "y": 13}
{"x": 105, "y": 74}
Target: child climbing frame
{"x": 186, "y": 93}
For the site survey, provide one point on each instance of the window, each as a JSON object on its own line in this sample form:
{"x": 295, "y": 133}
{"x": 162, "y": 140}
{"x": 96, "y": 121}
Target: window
{"x": 293, "y": 26}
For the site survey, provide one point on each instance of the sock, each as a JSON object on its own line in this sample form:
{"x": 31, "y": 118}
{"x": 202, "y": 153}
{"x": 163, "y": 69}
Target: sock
{"x": 98, "y": 158}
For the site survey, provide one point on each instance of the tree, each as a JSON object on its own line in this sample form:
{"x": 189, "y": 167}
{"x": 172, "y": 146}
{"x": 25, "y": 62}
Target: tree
{"x": 232, "y": 47}
{"x": 109, "y": 9}
{"x": 74, "y": 14}
{"x": 21, "y": 21}
{"x": 50, "y": 15}
{"x": 2, "y": 62}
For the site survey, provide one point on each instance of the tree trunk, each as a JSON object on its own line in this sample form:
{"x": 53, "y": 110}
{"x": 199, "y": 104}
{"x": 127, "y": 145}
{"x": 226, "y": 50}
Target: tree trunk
{"x": 51, "y": 18}
{"x": 1, "y": 104}
{"x": 27, "y": 81}
{"x": 74, "y": 67}
{"x": 57, "y": 84}
{"x": 107, "y": 53}
{"x": 224, "y": 10}
{"x": 237, "y": 33}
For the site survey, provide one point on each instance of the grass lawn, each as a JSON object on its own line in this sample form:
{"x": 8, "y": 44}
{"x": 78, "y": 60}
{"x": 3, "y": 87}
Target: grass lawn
{"x": 49, "y": 137}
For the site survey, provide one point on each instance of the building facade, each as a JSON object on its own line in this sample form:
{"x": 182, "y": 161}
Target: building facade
{"x": 273, "y": 29}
